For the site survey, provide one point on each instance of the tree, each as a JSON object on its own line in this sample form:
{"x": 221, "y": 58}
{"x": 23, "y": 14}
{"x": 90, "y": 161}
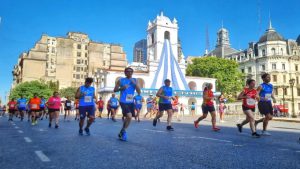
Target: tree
{"x": 28, "y": 89}
{"x": 229, "y": 78}
{"x": 68, "y": 92}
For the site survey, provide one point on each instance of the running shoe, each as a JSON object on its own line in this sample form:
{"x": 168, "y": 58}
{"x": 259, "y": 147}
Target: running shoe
{"x": 87, "y": 131}
{"x": 196, "y": 124}
{"x": 56, "y": 126}
{"x": 154, "y": 122}
{"x": 120, "y": 135}
{"x": 32, "y": 123}
{"x": 170, "y": 128}
{"x": 255, "y": 135}
{"x": 114, "y": 120}
{"x": 124, "y": 136}
{"x": 35, "y": 122}
{"x": 239, "y": 126}
{"x": 265, "y": 133}
{"x": 216, "y": 129}
{"x": 49, "y": 125}
{"x": 80, "y": 132}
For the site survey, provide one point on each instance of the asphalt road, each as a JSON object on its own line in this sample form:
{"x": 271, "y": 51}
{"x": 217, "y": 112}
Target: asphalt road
{"x": 23, "y": 146}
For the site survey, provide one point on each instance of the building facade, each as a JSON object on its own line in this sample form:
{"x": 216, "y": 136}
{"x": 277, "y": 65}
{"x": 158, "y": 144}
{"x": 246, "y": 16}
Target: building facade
{"x": 274, "y": 55}
{"x": 68, "y": 60}
{"x": 140, "y": 52}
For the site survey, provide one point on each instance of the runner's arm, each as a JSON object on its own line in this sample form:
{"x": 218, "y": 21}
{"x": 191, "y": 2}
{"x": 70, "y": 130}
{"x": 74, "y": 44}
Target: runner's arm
{"x": 241, "y": 96}
{"x": 77, "y": 95}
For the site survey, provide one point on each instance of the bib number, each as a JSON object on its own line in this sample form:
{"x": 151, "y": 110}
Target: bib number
{"x": 138, "y": 102}
{"x": 34, "y": 106}
{"x": 250, "y": 102}
{"x": 268, "y": 96}
{"x": 12, "y": 105}
{"x": 114, "y": 104}
{"x": 68, "y": 104}
{"x": 129, "y": 98}
{"x": 87, "y": 99}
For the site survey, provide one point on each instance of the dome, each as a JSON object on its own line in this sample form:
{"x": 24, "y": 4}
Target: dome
{"x": 271, "y": 35}
{"x": 162, "y": 18}
{"x": 223, "y": 30}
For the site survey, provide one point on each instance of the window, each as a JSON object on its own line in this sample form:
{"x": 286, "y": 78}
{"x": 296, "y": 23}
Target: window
{"x": 285, "y": 91}
{"x": 81, "y": 76}
{"x": 77, "y": 76}
{"x": 281, "y": 51}
{"x": 74, "y": 76}
{"x": 249, "y": 69}
{"x": 263, "y": 67}
{"x": 263, "y": 52}
{"x": 273, "y": 51}
{"x": 85, "y": 47}
{"x": 105, "y": 62}
{"x": 243, "y": 70}
{"x": 296, "y": 67}
{"x": 284, "y": 79}
{"x": 78, "y": 54}
{"x": 283, "y": 66}
{"x": 78, "y": 46}
{"x": 297, "y": 80}
{"x": 298, "y": 91}
{"x": 152, "y": 38}
{"x": 276, "y": 91}
{"x": 273, "y": 66}
{"x": 274, "y": 77}
{"x": 82, "y": 69}
{"x": 78, "y": 69}
{"x": 78, "y": 61}
{"x": 85, "y": 55}
{"x": 86, "y": 62}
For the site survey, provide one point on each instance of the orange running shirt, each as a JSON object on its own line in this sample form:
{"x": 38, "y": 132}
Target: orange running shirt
{"x": 35, "y": 103}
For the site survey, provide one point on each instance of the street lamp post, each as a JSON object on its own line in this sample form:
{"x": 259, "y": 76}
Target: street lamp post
{"x": 292, "y": 82}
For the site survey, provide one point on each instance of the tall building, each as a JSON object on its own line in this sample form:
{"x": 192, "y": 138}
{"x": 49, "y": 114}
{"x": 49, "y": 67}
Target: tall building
{"x": 274, "y": 55}
{"x": 140, "y": 52}
{"x": 68, "y": 60}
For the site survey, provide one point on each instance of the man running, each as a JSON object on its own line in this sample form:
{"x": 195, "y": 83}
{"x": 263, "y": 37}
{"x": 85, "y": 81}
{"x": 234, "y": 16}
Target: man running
{"x": 127, "y": 86}
{"x": 138, "y": 100}
{"x": 114, "y": 104}
{"x": 12, "y": 108}
{"x": 265, "y": 107}
{"x": 208, "y": 106}
{"x": 54, "y": 104}
{"x": 34, "y": 103}
{"x": 86, "y": 96}
{"x": 249, "y": 97}
{"x": 150, "y": 105}
{"x": 42, "y": 108}
{"x": 67, "y": 109}
{"x": 100, "y": 104}
{"x": 165, "y": 97}
{"x": 22, "y": 102}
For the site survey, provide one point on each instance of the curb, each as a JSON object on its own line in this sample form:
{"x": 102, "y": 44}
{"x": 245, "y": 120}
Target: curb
{"x": 287, "y": 120}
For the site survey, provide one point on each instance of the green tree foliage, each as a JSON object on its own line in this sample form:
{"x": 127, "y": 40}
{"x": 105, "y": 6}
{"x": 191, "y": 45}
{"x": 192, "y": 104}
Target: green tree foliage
{"x": 27, "y": 89}
{"x": 68, "y": 92}
{"x": 229, "y": 78}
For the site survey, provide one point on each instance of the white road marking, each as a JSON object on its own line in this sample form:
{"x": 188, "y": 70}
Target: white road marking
{"x": 13, "y": 124}
{"x": 20, "y": 131}
{"x": 42, "y": 156}
{"x": 205, "y": 138}
{"x": 116, "y": 151}
{"x": 283, "y": 149}
{"x": 27, "y": 139}
{"x": 16, "y": 127}
{"x": 156, "y": 131}
{"x": 41, "y": 130}
{"x": 297, "y": 151}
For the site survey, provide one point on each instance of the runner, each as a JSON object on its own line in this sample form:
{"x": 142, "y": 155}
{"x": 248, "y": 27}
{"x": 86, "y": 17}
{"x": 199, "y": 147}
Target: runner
{"x": 175, "y": 104}
{"x": 86, "y": 96}
{"x": 34, "y": 105}
{"x": 42, "y": 108}
{"x": 114, "y": 104}
{"x": 100, "y": 104}
{"x": 165, "y": 96}
{"x": 127, "y": 86}
{"x": 77, "y": 109}
{"x": 54, "y": 104}
{"x": 208, "y": 106}
{"x": 249, "y": 96}
{"x": 108, "y": 109}
{"x": 221, "y": 107}
{"x": 138, "y": 100}
{"x": 150, "y": 106}
{"x": 193, "y": 109}
{"x": 12, "y": 108}
{"x": 67, "y": 109}
{"x": 181, "y": 110}
{"x": 265, "y": 107}
{"x": 22, "y": 102}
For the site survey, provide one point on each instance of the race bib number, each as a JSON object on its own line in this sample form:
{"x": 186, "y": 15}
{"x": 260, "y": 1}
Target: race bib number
{"x": 138, "y": 102}
{"x": 268, "y": 96}
{"x": 250, "y": 102}
{"x": 12, "y": 105}
{"x": 87, "y": 99}
{"x": 68, "y": 104}
{"x": 22, "y": 104}
{"x": 34, "y": 106}
{"x": 129, "y": 98}
{"x": 113, "y": 104}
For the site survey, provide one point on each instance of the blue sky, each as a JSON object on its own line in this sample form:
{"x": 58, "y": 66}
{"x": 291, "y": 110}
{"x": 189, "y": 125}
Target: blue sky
{"x": 125, "y": 22}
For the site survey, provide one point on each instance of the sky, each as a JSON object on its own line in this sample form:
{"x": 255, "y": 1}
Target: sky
{"x": 125, "y": 22}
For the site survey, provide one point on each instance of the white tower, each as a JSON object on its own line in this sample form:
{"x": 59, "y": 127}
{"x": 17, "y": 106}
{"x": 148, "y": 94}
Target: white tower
{"x": 158, "y": 30}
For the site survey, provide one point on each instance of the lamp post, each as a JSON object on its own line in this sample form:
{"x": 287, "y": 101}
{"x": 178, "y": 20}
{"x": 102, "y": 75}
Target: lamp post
{"x": 292, "y": 82}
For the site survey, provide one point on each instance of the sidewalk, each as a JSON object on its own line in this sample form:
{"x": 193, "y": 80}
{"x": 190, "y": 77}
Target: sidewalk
{"x": 286, "y": 119}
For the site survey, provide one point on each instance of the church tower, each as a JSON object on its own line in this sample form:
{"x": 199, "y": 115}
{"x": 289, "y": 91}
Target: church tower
{"x": 223, "y": 38}
{"x": 158, "y": 30}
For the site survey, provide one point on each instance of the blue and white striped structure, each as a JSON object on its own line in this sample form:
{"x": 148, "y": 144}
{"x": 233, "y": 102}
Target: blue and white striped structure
{"x": 168, "y": 68}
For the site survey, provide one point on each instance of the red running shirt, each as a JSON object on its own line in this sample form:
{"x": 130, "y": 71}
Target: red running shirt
{"x": 12, "y": 105}
{"x": 250, "y": 101}
{"x": 209, "y": 102}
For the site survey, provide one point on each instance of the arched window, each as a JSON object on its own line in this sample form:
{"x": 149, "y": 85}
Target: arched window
{"x": 273, "y": 51}
{"x": 263, "y": 52}
{"x": 152, "y": 38}
{"x": 167, "y": 35}
{"x": 281, "y": 51}
{"x": 192, "y": 85}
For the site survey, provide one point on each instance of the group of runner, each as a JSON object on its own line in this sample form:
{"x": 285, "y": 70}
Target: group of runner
{"x": 131, "y": 104}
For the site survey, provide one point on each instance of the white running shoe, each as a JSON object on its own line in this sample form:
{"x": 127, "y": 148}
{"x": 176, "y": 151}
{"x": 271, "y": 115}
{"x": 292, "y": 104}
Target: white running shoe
{"x": 265, "y": 133}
